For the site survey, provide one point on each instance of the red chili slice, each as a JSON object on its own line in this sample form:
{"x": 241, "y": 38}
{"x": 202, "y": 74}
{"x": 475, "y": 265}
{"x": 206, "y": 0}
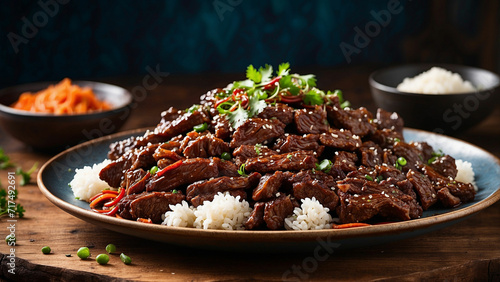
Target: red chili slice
{"x": 350, "y": 225}
{"x": 291, "y": 99}
{"x": 116, "y": 199}
{"x": 101, "y": 198}
{"x": 168, "y": 168}
{"x": 271, "y": 83}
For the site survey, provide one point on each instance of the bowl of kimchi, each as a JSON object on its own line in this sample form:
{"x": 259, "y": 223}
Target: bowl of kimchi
{"x": 56, "y": 115}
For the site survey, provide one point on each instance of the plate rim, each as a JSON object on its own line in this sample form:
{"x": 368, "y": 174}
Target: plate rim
{"x": 259, "y": 235}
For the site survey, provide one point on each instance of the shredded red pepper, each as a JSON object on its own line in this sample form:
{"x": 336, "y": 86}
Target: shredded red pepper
{"x": 144, "y": 220}
{"x": 102, "y": 198}
{"x": 350, "y": 225}
{"x": 103, "y": 192}
{"x": 168, "y": 168}
{"x": 116, "y": 199}
{"x": 271, "y": 83}
{"x": 291, "y": 99}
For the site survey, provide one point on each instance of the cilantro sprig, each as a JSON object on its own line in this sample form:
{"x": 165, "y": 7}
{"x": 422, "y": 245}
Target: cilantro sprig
{"x": 245, "y": 99}
{"x": 7, "y": 204}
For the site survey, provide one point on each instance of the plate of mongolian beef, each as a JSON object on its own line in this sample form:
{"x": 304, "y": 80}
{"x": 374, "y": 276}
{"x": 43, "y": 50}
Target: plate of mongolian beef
{"x": 273, "y": 162}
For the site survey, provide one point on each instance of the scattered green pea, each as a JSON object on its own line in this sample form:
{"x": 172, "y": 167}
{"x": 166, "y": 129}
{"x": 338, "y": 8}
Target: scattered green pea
{"x": 126, "y": 259}
{"x": 46, "y": 250}
{"x": 83, "y": 253}
{"x": 153, "y": 170}
{"x": 102, "y": 259}
{"x": 402, "y": 161}
{"x": 110, "y": 248}
{"x": 10, "y": 239}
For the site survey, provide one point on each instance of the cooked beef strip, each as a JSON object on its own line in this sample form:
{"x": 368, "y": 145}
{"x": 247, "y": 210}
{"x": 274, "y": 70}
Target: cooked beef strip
{"x": 268, "y": 186}
{"x": 289, "y": 161}
{"x": 292, "y": 142}
{"x": 256, "y": 219}
{"x": 154, "y": 205}
{"x": 253, "y": 151}
{"x": 222, "y": 127}
{"x": 205, "y": 146}
{"x": 135, "y": 181}
{"x": 191, "y": 170}
{"x": 371, "y": 154}
{"x": 391, "y": 121}
{"x": 275, "y": 212}
{"x": 423, "y": 186}
{"x": 358, "y": 121}
{"x": 340, "y": 139}
{"x": 311, "y": 121}
{"x": 345, "y": 161}
{"x": 313, "y": 189}
{"x": 280, "y": 111}
{"x": 445, "y": 166}
{"x": 206, "y": 190}
{"x": 257, "y": 131}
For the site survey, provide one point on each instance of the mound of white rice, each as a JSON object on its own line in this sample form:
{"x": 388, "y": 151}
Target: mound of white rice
{"x": 224, "y": 212}
{"x": 180, "y": 215}
{"x": 87, "y": 183}
{"x": 465, "y": 173}
{"x": 436, "y": 81}
{"x": 310, "y": 216}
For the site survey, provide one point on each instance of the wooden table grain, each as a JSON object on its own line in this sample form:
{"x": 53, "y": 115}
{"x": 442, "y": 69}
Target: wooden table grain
{"x": 469, "y": 250}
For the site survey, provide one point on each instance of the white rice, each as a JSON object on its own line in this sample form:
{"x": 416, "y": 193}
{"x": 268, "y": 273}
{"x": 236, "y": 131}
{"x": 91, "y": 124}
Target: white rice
{"x": 465, "y": 173}
{"x": 436, "y": 81}
{"x": 87, "y": 183}
{"x": 311, "y": 215}
{"x": 180, "y": 215}
{"x": 224, "y": 212}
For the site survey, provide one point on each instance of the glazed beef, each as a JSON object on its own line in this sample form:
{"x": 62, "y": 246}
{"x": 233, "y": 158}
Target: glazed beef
{"x": 282, "y": 112}
{"x": 309, "y": 189}
{"x": 205, "y": 146}
{"x": 276, "y": 211}
{"x": 345, "y": 161}
{"x": 256, "y": 218}
{"x": 340, "y": 139}
{"x": 201, "y": 191}
{"x": 189, "y": 171}
{"x": 268, "y": 186}
{"x": 253, "y": 151}
{"x": 311, "y": 121}
{"x": 423, "y": 187}
{"x": 445, "y": 166}
{"x": 257, "y": 131}
{"x": 357, "y": 121}
{"x": 222, "y": 127}
{"x": 292, "y": 142}
{"x": 289, "y": 161}
{"x": 154, "y": 205}
{"x": 391, "y": 121}
{"x": 371, "y": 154}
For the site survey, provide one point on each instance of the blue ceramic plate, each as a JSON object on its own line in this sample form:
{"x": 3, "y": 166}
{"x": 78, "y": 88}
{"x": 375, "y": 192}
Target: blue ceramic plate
{"x": 54, "y": 176}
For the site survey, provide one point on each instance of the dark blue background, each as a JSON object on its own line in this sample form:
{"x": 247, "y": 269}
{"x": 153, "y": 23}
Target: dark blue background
{"x": 92, "y": 39}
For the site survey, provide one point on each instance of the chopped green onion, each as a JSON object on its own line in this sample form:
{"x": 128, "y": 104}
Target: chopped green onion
{"x": 153, "y": 170}
{"x": 325, "y": 165}
{"x": 345, "y": 104}
{"x": 200, "y": 127}
{"x": 368, "y": 177}
{"x": 225, "y": 156}
{"x": 241, "y": 170}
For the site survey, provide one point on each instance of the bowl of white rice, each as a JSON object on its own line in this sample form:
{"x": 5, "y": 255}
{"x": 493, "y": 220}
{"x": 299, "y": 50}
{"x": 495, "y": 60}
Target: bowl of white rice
{"x": 442, "y": 98}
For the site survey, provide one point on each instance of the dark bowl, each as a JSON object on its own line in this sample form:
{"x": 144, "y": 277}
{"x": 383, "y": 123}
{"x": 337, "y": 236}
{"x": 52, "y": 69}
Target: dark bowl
{"x": 52, "y": 132}
{"x": 442, "y": 113}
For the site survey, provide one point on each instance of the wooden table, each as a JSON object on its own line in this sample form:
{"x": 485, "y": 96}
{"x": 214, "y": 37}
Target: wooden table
{"x": 468, "y": 250}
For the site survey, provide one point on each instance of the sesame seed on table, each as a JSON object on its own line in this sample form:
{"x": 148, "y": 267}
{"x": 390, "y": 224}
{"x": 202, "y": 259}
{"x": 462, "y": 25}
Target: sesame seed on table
{"x": 469, "y": 249}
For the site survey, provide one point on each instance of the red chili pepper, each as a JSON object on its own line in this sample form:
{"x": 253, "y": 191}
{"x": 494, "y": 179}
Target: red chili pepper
{"x": 113, "y": 211}
{"x": 271, "y": 83}
{"x": 221, "y": 101}
{"x": 168, "y": 168}
{"x": 350, "y": 225}
{"x": 102, "y": 198}
{"x": 244, "y": 101}
{"x": 103, "y": 192}
{"x": 116, "y": 199}
{"x": 237, "y": 91}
